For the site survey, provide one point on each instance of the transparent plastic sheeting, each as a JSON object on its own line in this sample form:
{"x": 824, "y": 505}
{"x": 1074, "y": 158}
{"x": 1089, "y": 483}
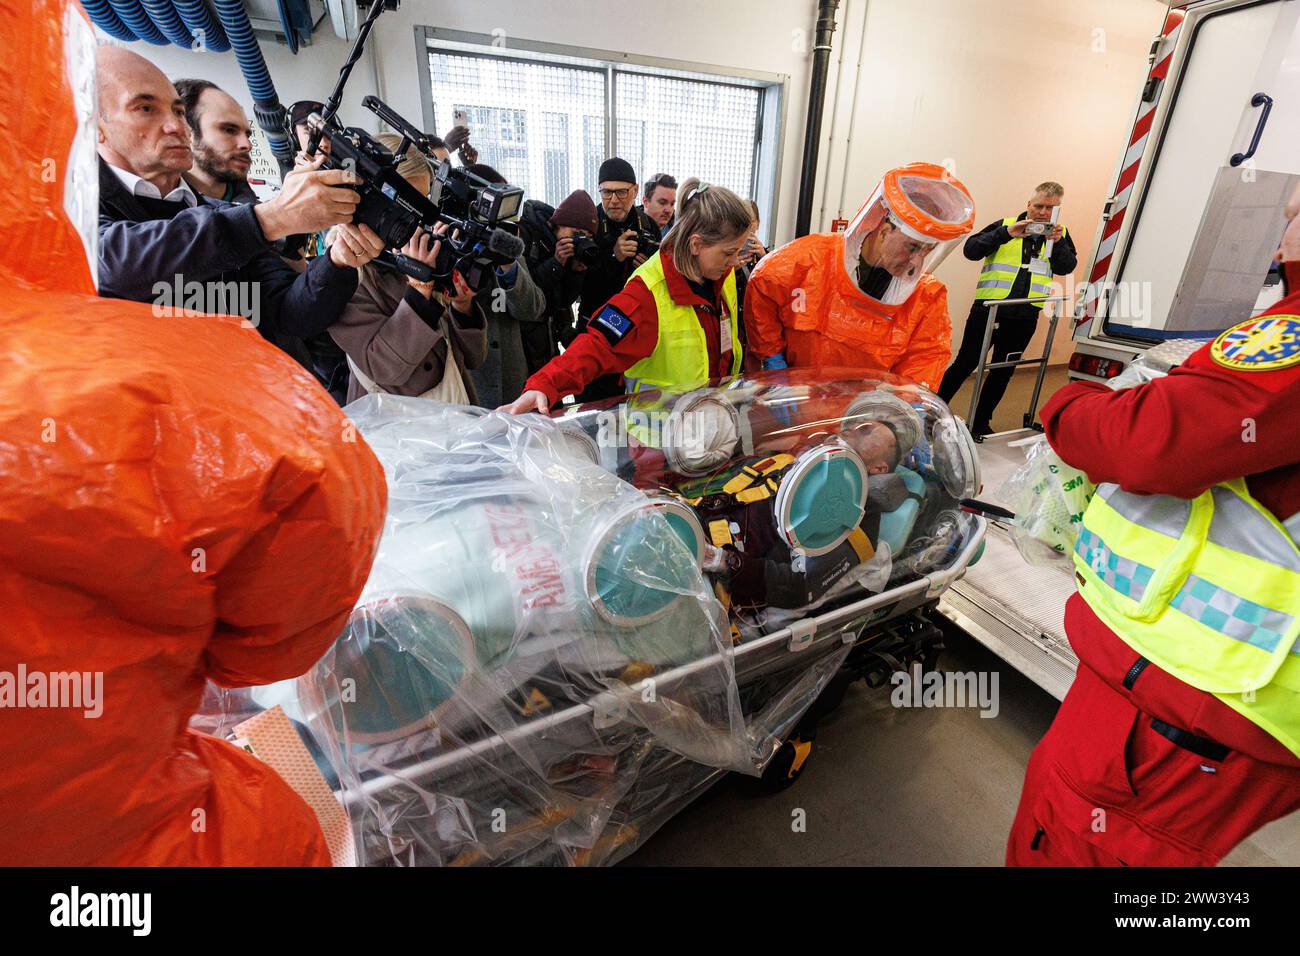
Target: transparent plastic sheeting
{"x": 1049, "y": 496}
{"x": 815, "y": 485}
{"x": 546, "y": 663}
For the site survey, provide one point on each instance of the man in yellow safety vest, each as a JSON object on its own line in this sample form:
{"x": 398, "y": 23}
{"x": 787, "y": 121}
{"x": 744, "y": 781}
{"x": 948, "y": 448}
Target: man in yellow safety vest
{"x": 1018, "y": 264}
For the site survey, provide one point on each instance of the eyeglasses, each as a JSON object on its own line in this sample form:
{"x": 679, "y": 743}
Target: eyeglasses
{"x": 616, "y": 193}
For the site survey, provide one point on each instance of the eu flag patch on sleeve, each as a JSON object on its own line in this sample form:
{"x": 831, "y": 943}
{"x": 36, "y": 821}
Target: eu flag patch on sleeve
{"x": 612, "y": 324}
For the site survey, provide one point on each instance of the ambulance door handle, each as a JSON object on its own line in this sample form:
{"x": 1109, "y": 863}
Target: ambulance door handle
{"x": 1258, "y": 100}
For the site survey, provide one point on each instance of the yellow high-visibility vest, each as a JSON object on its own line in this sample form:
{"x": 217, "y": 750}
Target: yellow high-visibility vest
{"x": 1209, "y": 589}
{"x": 1002, "y": 267}
{"x": 681, "y": 356}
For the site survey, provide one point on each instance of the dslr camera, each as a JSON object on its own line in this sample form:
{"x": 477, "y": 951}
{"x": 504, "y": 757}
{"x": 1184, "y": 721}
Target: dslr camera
{"x": 647, "y": 243}
{"x": 585, "y": 250}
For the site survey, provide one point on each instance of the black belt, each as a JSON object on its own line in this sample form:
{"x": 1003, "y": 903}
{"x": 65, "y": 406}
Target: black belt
{"x": 1201, "y": 746}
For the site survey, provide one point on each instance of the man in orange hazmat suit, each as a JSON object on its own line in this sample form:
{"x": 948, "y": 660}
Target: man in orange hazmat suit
{"x": 162, "y": 521}
{"x": 866, "y": 298}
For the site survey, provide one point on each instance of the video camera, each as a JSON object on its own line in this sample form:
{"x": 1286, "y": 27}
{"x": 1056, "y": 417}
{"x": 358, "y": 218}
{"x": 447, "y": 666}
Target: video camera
{"x": 482, "y": 233}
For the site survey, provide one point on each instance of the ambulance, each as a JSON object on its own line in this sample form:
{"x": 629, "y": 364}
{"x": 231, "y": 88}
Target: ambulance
{"x": 1186, "y": 240}
{"x": 1184, "y": 250}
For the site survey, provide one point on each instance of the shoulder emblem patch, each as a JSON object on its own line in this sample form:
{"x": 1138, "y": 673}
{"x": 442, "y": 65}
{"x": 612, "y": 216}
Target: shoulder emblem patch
{"x": 612, "y": 324}
{"x": 1261, "y": 344}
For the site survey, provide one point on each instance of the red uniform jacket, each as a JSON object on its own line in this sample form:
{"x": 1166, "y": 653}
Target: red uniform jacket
{"x": 626, "y": 330}
{"x": 1202, "y": 424}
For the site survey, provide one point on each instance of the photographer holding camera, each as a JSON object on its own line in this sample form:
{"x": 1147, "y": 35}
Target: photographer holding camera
{"x": 1014, "y": 268}
{"x": 626, "y": 237}
{"x": 403, "y": 336}
{"x": 155, "y": 230}
{"x": 558, "y": 251}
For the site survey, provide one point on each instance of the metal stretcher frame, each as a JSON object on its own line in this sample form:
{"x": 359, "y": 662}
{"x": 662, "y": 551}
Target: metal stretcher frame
{"x": 985, "y": 366}
{"x": 812, "y": 636}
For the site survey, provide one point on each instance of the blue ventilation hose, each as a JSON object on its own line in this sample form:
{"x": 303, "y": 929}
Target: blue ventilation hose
{"x": 167, "y": 20}
{"x": 206, "y": 31}
{"x": 103, "y": 16}
{"x": 189, "y": 24}
{"x": 133, "y": 15}
{"x": 271, "y": 116}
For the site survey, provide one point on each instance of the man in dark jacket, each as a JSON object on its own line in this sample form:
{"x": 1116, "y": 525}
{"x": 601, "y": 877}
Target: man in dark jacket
{"x": 1015, "y": 268}
{"x": 160, "y": 242}
{"x": 549, "y": 236}
{"x": 626, "y": 237}
{"x": 220, "y": 134}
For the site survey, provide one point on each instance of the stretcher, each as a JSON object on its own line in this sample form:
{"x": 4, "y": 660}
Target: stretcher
{"x": 780, "y": 675}
{"x": 541, "y": 669}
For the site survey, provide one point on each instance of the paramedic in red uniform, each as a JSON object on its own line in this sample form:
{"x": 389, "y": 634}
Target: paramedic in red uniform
{"x": 674, "y": 325}
{"x": 1139, "y": 767}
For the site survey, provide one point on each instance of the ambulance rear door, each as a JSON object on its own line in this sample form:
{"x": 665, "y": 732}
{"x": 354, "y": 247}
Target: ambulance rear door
{"x": 1186, "y": 244}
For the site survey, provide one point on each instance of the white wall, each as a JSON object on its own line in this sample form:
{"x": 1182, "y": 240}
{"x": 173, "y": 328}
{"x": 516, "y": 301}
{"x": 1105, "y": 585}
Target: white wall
{"x": 1011, "y": 92}
{"x": 1008, "y": 93}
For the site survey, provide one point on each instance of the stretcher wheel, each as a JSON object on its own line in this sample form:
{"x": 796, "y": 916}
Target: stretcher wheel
{"x": 785, "y": 768}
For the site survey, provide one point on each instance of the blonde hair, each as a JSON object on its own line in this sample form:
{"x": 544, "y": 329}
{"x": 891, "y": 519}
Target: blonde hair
{"x": 1050, "y": 189}
{"x": 714, "y": 213}
{"x": 412, "y": 164}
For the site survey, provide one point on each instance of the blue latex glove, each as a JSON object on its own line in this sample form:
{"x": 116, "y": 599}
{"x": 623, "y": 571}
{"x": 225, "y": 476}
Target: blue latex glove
{"x": 775, "y": 361}
{"x": 919, "y": 458}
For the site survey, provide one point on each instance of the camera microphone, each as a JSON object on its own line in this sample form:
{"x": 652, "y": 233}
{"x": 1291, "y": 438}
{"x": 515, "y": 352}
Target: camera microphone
{"x": 505, "y": 244}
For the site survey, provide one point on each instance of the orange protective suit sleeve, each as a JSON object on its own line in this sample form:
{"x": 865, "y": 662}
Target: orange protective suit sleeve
{"x": 930, "y": 347}
{"x": 767, "y": 295}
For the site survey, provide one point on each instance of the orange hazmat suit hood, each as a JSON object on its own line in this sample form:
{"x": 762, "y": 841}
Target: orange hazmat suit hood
{"x": 179, "y": 502}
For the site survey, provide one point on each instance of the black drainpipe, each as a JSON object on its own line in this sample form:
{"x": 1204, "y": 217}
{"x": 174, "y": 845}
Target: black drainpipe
{"x": 813, "y": 130}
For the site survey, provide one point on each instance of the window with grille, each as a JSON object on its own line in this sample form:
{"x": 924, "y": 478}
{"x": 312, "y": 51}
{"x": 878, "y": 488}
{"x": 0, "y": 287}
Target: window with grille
{"x": 546, "y": 120}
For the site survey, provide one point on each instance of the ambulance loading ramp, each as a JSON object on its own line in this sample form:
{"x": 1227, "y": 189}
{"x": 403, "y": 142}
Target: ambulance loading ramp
{"x": 1013, "y": 608}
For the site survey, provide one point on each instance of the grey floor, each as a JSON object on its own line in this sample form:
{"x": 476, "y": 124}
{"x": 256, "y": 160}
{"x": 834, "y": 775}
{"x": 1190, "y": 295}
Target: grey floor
{"x": 885, "y": 786}
{"x": 890, "y": 786}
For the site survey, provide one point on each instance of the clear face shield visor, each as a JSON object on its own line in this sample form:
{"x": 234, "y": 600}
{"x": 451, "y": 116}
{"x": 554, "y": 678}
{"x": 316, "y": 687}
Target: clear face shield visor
{"x": 913, "y": 220}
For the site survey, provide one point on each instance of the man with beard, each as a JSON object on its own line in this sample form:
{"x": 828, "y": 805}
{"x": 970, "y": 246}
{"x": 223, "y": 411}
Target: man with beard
{"x": 221, "y": 140}
{"x": 155, "y": 229}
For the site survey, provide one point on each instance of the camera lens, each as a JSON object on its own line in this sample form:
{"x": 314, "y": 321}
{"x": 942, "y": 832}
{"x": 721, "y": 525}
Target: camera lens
{"x": 585, "y": 251}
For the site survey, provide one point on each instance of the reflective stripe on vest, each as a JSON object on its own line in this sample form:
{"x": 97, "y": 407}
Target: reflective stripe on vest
{"x": 681, "y": 356}
{"x": 1209, "y": 589}
{"x": 1002, "y": 267}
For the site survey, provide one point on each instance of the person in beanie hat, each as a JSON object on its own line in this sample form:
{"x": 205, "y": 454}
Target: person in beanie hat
{"x": 577, "y": 213}
{"x": 549, "y": 235}
{"x": 625, "y": 236}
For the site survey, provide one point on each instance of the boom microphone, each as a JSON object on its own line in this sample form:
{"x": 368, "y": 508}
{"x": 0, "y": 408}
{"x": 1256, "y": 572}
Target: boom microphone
{"x": 505, "y": 244}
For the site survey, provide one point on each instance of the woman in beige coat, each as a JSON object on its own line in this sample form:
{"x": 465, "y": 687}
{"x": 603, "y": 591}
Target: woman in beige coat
{"x": 404, "y": 337}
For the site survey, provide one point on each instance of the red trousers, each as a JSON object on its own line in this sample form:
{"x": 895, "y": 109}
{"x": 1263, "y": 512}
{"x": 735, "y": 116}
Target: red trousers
{"x": 1105, "y": 789}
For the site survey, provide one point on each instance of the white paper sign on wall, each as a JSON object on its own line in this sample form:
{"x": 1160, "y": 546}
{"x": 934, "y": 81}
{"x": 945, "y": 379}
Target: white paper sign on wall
{"x": 264, "y": 174}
